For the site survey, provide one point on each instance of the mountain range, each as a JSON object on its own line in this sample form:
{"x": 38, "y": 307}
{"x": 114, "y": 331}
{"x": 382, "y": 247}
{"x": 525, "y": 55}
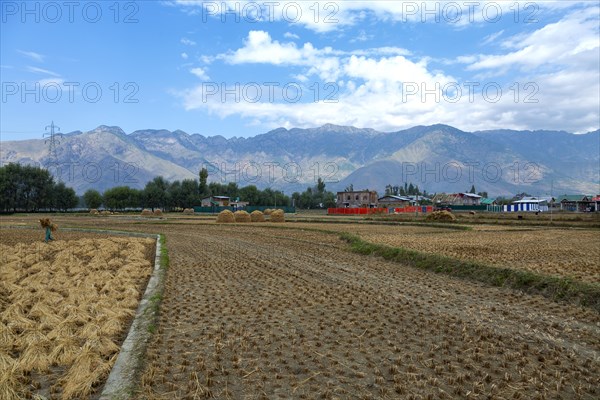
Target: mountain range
{"x": 437, "y": 158}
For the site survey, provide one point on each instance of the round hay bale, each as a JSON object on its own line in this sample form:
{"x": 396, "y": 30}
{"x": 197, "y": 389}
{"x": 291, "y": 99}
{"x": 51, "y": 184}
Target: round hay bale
{"x": 257, "y": 216}
{"x": 94, "y": 211}
{"x": 105, "y": 212}
{"x": 277, "y": 216}
{"x": 242, "y": 216}
{"x": 188, "y": 211}
{"x": 268, "y": 211}
{"x": 225, "y": 217}
{"x": 158, "y": 213}
{"x": 146, "y": 212}
{"x": 441, "y": 216}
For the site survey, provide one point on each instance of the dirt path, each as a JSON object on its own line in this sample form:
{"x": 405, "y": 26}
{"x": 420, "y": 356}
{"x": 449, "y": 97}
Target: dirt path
{"x": 272, "y": 313}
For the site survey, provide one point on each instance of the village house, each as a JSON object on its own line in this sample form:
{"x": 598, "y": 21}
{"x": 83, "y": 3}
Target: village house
{"x": 393, "y": 201}
{"x": 361, "y": 198}
{"x": 457, "y": 199}
{"x": 533, "y": 204}
{"x": 576, "y": 202}
{"x": 596, "y": 201}
{"x": 217, "y": 201}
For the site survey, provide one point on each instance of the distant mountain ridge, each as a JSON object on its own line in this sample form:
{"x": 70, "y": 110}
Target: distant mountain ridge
{"x": 436, "y": 158}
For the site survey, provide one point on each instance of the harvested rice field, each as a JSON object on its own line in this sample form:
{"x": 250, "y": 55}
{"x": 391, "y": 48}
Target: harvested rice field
{"x": 65, "y": 308}
{"x": 259, "y": 313}
{"x": 573, "y": 253}
{"x": 284, "y": 311}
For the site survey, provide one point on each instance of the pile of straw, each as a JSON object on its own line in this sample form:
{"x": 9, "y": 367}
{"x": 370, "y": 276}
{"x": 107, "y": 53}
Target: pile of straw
{"x": 146, "y": 212}
{"x": 94, "y": 211}
{"x": 158, "y": 213}
{"x": 268, "y": 211}
{"x": 225, "y": 217}
{"x": 47, "y": 223}
{"x": 242, "y": 216}
{"x": 61, "y": 319}
{"x": 257, "y": 216}
{"x": 277, "y": 216}
{"x": 188, "y": 211}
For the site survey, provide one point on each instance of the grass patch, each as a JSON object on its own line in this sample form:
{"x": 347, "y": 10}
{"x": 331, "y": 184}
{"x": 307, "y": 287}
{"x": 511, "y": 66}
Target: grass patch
{"x": 555, "y": 288}
{"x": 164, "y": 253}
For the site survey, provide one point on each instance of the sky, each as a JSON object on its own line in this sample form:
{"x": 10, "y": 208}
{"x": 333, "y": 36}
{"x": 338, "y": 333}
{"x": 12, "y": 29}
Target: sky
{"x": 240, "y": 68}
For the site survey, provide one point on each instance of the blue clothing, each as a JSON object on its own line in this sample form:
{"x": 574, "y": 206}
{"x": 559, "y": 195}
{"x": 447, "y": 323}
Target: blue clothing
{"x": 49, "y": 235}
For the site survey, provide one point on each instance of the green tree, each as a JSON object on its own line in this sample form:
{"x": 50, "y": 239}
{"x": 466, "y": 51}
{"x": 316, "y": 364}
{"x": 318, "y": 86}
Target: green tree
{"x": 472, "y": 189}
{"x": 320, "y": 186}
{"x": 189, "y": 193}
{"x": 25, "y": 187}
{"x": 203, "y": 188}
{"x": 121, "y": 197}
{"x": 155, "y": 193}
{"x": 251, "y": 194}
{"x": 92, "y": 198}
{"x": 64, "y": 197}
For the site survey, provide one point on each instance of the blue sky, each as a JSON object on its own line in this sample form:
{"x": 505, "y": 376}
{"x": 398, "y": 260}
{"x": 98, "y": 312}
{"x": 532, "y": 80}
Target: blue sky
{"x": 386, "y": 65}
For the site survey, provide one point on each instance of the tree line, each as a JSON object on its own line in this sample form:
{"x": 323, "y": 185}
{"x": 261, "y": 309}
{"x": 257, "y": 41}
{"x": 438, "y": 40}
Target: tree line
{"x": 29, "y": 188}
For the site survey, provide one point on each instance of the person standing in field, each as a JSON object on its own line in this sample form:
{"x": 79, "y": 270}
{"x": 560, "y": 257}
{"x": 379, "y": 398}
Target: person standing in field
{"x": 50, "y": 227}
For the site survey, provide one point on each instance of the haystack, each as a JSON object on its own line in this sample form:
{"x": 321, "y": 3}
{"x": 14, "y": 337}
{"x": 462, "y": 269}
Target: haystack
{"x": 146, "y": 212}
{"x": 242, "y": 216}
{"x": 94, "y": 211}
{"x": 225, "y": 217}
{"x": 277, "y": 216}
{"x": 257, "y": 216}
{"x": 158, "y": 213}
{"x": 268, "y": 211}
{"x": 441, "y": 216}
{"x": 188, "y": 211}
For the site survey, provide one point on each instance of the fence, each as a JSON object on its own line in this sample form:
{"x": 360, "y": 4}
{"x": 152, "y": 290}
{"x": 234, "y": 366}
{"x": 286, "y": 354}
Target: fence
{"x": 217, "y": 209}
{"x": 412, "y": 209}
{"x": 356, "y": 211}
{"x": 289, "y": 210}
{"x": 455, "y": 207}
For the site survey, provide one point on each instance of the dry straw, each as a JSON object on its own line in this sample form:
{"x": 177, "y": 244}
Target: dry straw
{"x": 158, "y": 213}
{"x": 56, "y": 318}
{"x": 94, "y": 211}
{"x": 242, "y": 216}
{"x": 257, "y": 216}
{"x": 146, "y": 212}
{"x": 188, "y": 211}
{"x": 268, "y": 211}
{"x": 277, "y": 216}
{"x": 225, "y": 217}
{"x": 47, "y": 223}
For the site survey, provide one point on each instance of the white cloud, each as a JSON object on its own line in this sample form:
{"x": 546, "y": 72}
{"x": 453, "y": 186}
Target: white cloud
{"x": 41, "y": 71}
{"x": 290, "y": 35}
{"x": 32, "y": 55}
{"x": 327, "y": 16}
{"x": 200, "y": 73}
{"x": 184, "y": 56}
{"x": 571, "y": 41}
{"x": 362, "y": 37}
{"x": 554, "y": 66}
{"x": 187, "y": 42}
{"x": 492, "y": 37}
{"x": 51, "y": 82}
